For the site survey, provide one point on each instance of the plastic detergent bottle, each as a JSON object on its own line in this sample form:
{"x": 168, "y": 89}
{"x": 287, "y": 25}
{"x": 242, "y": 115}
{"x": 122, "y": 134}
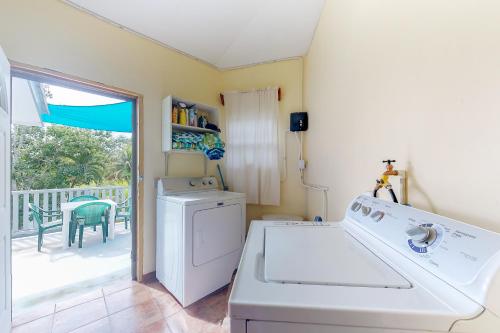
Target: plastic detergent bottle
{"x": 192, "y": 117}
{"x": 175, "y": 115}
{"x": 182, "y": 117}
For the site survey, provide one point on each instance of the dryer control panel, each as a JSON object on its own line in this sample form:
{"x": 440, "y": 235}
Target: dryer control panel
{"x": 454, "y": 251}
{"x": 171, "y": 185}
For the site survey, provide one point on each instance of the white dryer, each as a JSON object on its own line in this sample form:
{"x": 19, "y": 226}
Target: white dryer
{"x": 200, "y": 232}
{"x": 385, "y": 268}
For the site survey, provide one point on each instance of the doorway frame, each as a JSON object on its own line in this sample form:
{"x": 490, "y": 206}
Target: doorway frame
{"x": 70, "y": 81}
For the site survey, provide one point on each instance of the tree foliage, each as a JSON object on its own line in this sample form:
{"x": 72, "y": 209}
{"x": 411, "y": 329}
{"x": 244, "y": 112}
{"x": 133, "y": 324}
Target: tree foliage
{"x": 62, "y": 157}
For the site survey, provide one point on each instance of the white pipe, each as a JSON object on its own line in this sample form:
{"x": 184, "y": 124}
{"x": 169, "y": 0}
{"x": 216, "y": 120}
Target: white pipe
{"x": 299, "y": 142}
{"x": 285, "y": 160}
{"x": 321, "y": 188}
{"x": 403, "y": 187}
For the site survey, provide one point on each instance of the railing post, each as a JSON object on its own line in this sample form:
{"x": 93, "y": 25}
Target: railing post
{"x": 36, "y": 198}
{"x": 52, "y": 200}
{"x": 63, "y": 199}
{"x": 45, "y": 202}
{"x": 26, "y": 200}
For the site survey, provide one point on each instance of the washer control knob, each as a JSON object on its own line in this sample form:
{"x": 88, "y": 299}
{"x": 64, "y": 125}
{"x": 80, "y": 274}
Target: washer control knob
{"x": 211, "y": 182}
{"x": 366, "y": 210}
{"x": 204, "y": 182}
{"x": 419, "y": 234}
{"x": 377, "y": 216}
{"x": 191, "y": 183}
{"x": 355, "y": 206}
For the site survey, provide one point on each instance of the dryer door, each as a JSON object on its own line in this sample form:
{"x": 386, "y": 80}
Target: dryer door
{"x": 216, "y": 233}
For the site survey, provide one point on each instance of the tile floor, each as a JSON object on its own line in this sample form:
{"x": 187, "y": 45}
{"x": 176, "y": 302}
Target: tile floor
{"x": 128, "y": 307}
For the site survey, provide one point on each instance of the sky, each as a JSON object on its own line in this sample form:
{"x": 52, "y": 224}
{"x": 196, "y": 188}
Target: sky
{"x": 65, "y": 96}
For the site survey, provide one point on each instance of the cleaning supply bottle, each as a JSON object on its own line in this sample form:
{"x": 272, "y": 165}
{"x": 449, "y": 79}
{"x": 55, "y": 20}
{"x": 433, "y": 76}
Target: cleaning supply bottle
{"x": 175, "y": 114}
{"x": 182, "y": 117}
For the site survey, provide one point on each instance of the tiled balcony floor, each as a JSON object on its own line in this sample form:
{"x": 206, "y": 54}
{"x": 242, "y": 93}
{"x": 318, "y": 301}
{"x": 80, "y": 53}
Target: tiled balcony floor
{"x": 129, "y": 307}
{"x": 56, "y": 274}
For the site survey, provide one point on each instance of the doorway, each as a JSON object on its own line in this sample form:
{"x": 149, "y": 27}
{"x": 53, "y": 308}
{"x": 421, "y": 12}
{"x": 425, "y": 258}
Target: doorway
{"x": 64, "y": 175}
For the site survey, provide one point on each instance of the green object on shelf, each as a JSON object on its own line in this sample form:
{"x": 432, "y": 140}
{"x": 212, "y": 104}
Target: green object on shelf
{"x": 213, "y": 146}
{"x": 208, "y": 143}
{"x": 123, "y": 210}
{"x": 187, "y": 140}
{"x": 38, "y": 214}
{"x": 89, "y": 214}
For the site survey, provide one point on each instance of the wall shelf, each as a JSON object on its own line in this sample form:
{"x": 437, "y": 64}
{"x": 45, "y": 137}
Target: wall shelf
{"x": 184, "y": 128}
{"x": 168, "y": 127}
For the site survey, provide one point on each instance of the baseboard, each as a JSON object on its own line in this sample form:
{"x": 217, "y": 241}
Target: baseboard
{"x": 149, "y": 277}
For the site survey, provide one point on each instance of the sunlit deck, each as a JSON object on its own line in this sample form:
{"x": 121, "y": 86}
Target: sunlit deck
{"x": 56, "y": 273}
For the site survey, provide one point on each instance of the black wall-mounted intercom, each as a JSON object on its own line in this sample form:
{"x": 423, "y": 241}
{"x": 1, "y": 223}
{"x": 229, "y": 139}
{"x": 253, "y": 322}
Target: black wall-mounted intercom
{"x": 298, "y": 121}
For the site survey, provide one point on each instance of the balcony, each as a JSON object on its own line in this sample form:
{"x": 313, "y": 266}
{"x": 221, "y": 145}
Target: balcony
{"x": 56, "y": 273}
{"x": 51, "y": 199}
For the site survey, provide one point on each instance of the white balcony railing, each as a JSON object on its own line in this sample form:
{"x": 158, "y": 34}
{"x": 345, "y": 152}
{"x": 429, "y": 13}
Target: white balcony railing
{"x": 51, "y": 199}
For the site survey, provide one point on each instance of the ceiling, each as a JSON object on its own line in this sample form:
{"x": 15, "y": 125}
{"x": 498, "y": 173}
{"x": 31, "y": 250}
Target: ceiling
{"x": 223, "y": 33}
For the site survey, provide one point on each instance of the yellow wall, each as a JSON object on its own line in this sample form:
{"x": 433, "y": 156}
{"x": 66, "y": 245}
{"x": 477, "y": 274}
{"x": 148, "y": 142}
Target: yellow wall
{"x": 287, "y": 75}
{"x": 53, "y": 35}
{"x": 417, "y": 81}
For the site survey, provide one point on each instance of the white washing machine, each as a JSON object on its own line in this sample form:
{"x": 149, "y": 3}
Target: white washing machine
{"x": 384, "y": 268}
{"x": 200, "y": 232}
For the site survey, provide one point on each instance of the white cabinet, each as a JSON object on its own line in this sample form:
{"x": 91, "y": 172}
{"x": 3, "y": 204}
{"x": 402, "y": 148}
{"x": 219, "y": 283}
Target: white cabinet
{"x": 169, "y": 126}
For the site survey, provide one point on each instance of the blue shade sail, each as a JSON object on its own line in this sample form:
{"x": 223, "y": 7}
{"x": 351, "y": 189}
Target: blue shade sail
{"x": 110, "y": 117}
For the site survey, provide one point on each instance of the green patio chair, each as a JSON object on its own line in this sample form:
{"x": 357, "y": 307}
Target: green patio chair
{"x": 89, "y": 215}
{"x": 123, "y": 210}
{"x": 38, "y": 214}
{"x": 84, "y": 198}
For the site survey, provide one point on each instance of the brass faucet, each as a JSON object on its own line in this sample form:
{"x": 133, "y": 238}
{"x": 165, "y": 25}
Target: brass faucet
{"x": 384, "y": 180}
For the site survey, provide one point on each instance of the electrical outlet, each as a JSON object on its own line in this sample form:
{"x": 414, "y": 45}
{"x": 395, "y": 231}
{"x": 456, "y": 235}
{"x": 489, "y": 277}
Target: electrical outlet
{"x": 302, "y": 164}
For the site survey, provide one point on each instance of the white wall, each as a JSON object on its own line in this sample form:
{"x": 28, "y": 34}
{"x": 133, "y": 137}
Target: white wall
{"x": 417, "y": 81}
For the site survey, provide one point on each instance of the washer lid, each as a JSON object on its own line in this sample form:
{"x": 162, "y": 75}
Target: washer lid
{"x": 325, "y": 256}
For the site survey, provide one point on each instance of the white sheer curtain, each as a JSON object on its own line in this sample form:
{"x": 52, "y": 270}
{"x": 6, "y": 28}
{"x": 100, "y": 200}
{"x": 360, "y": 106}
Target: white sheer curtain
{"x": 252, "y": 162}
